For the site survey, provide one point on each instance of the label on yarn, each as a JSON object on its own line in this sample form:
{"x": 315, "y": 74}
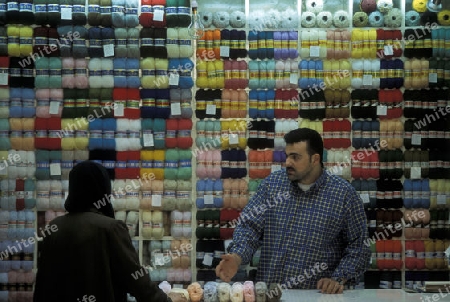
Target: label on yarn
{"x": 159, "y": 42}
{"x": 66, "y": 12}
{"x": 147, "y": 42}
{"x": 185, "y": 163}
{"x": 3, "y": 78}
{"x": 40, "y": 8}
{"x": 108, "y": 50}
{"x": 67, "y": 164}
{"x": 67, "y": 72}
{"x": 156, "y": 200}
{"x": 53, "y": 8}
{"x": 416, "y": 139}
{"x": 146, "y": 9}
{"x": 441, "y": 199}
{"x": 185, "y": 42}
{"x": 314, "y": 51}
{"x": 13, "y": 6}
{"x": 208, "y": 199}
{"x": 388, "y": 50}
{"x": 158, "y": 13}
{"x": 174, "y": 79}
{"x": 381, "y": 110}
{"x": 3, "y": 7}
{"x": 208, "y": 259}
{"x": 293, "y": 78}
{"x": 131, "y": 10}
{"x": 175, "y": 109}
{"x": 224, "y": 51}
{"x": 211, "y": 109}
{"x": 105, "y": 10}
{"x": 54, "y": 107}
{"x": 81, "y": 134}
{"x": 132, "y": 73}
{"x": 432, "y": 78}
{"x": 171, "y": 10}
{"x": 13, "y": 40}
{"x": 76, "y": 8}
{"x": 41, "y": 134}
{"x": 55, "y": 169}
{"x": 234, "y": 139}
{"x": 415, "y": 172}
{"x": 55, "y": 72}
{"x": 93, "y": 8}
{"x": 79, "y": 42}
{"x": 367, "y": 80}
{"x": 183, "y": 10}
{"x": 26, "y": 7}
{"x": 121, "y": 42}
{"x": 118, "y": 9}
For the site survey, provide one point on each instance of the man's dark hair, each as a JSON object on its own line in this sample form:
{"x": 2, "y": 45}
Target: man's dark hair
{"x": 314, "y": 142}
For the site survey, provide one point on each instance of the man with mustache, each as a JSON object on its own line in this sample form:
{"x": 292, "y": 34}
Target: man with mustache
{"x": 318, "y": 223}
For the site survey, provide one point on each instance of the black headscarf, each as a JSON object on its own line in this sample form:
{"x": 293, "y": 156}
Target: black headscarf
{"x": 89, "y": 189}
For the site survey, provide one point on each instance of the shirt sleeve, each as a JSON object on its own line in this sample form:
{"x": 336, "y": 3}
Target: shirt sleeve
{"x": 357, "y": 252}
{"x": 250, "y": 226}
{"x": 125, "y": 265}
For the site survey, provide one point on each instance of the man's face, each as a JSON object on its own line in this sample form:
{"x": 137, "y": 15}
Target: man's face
{"x": 299, "y": 164}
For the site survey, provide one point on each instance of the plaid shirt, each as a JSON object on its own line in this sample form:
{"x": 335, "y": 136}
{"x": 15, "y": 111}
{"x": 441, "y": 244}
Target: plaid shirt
{"x": 300, "y": 230}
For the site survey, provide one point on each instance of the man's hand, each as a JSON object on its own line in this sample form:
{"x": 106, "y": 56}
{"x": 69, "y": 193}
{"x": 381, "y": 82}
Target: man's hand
{"x": 228, "y": 267}
{"x": 329, "y": 286}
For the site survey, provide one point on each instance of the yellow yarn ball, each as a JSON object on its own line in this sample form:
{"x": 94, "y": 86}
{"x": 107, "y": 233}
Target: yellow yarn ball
{"x": 444, "y": 17}
{"x": 419, "y": 6}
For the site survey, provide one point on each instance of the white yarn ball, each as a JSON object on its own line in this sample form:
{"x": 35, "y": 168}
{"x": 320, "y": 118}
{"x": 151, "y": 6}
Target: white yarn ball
{"x": 324, "y": 19}
{"x": 314, "y": 6}
{"x": 221, "y": 19}
{"x": 394, "y": 18}
{"x": 384, "y": 6}
{"x": 206, "y": 18}
{"x": 290, "y": 19}
{"x": 308, "y": 19}
{"x": 237, "y": 19}
{"x": 272, "y": 18}
{"x": 255, "y": 20}
{"x": 340, "y": 19}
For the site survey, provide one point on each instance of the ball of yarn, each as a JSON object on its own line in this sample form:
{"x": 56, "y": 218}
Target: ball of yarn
{"x": 314, "y": 6}
{"x": 290, "y": 19}
{"x": 444, "y": 17}
{"x": 340, "y": 19}
{"x": 206, "y": 18}
{"x": 393, "y": 18}
{"x": 376, "y": 19}
{"x": 368, "y": 6}
{"x": 221, "y": 19}
{"x": 360, "y": 19}
{"x": 237, "y": 19}
{"x": 308, "y": 19}
{"x": 412, "y": 18}
{"x": 384, "y": 6}
{"x": 272, "y": 18}
{"x": 428, "y": 18}
{"x": 324, "y": 19}
{"x": 419, "y": 6}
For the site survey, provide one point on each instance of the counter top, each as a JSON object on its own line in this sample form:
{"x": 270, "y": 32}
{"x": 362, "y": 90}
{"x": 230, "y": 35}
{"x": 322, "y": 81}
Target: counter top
{"x": 364, "y": 295}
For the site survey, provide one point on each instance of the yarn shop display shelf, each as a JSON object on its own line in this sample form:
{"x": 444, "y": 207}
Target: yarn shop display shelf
{"x": 261, "y": 16}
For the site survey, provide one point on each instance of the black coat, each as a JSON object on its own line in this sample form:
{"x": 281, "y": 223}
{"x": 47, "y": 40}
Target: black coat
{"x": 90, "y": 257}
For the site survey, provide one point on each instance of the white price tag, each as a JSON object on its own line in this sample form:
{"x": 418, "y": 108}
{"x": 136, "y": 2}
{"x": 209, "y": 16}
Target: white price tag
{"x": 224, "y": 51}
{"x": 416, "y": 139}
{"x": 156, "y": 200}
{"x": 209, "y": 199}
{"x": 148, "y": 140}
{"x": 174, "y": 79}
{"x": 314, "y": 51}
{"x": 432, "y": 77}
{"x": 234, "y": 138}
{"x": 66, "y": 13}
{"x": 416, "y": 173}
{"x": 55, "y": 169}
{"x": 293, "y": 79}
{"x": 159, "y": 259}
{"x": 3, "y": 79}
{"x": 211, "y": 109}
{"x": 365, "y": 197}
{"x": 381, "y": 110}
{"x": 207, "y": 260}
{"x": 119, "y": 110}
{"x": 158, "y": 15}
{"x": 388, "y": 50}
{"x": 367, "y": 80}
{"x": 275, "y": 167}
{"x": 108, "y": 50}
{"x": 175, "y": 109}
{"x": 54, "y": 107}
{"x": 441, "y": 199}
